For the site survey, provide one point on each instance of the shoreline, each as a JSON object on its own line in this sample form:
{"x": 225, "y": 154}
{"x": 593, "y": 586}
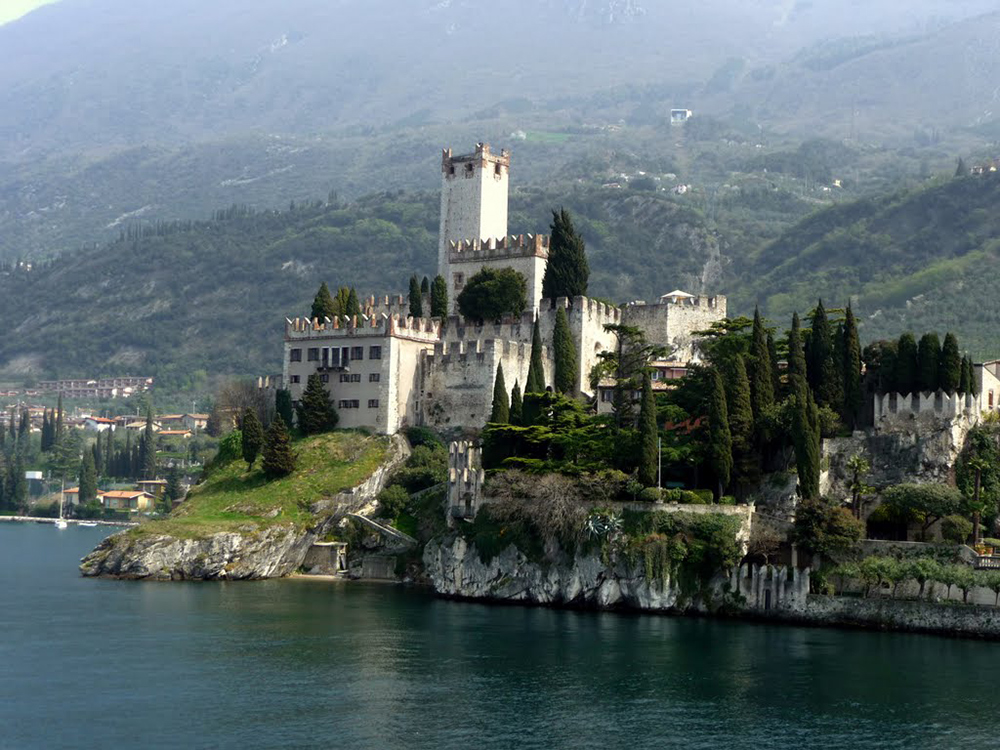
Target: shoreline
{"x": 72, "y": 521}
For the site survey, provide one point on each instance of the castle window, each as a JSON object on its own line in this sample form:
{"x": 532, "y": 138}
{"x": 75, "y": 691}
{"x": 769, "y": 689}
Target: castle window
{"x": 607, "y": 395}
{"x": 468, "y": 169}
{"x": 373, "y": 403}
{"x": 324, "y": 378}
{"x": 375, "y": 352}
{"x": 374, "y": 377}
{"x": 459, "y": 279}
{"x": 497, "y": 170}
{"x": 357, "y": 353}
{"x": 451, "y": 169}
{"x": 294, "y": 379}
{"x": 313, "y": 355}
{"x": 295, "y": 355}
{"x": 335, "y": 357}
{"x": 356, "y": 377}
{"x": 348, "y": 403}
{"x": 345, "y": 378}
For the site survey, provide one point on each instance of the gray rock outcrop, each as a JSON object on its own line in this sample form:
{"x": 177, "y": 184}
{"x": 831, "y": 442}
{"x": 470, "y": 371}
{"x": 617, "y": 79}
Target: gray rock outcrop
{"x": 270, "y": 553}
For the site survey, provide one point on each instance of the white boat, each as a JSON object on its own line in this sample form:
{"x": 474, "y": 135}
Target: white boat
{"x": 88, "y": 524}
{"x": 61, "y": 523}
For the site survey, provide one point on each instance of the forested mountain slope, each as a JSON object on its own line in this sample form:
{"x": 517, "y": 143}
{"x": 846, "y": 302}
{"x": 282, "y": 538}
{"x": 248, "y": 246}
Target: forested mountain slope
{"x": 924, "y": 259}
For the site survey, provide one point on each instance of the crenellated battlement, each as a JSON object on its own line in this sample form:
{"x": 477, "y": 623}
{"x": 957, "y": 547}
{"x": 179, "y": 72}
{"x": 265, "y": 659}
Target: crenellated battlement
{"x": 425, "y": 329}
{"x": 485, "y": 350}
{"x": 394, "y": 304}
{"x": 593, "y": 311}
{"x": 455, "y": 165}
{"x": 715, "y": 302}
{"x": 902, "y": 409}
{"x": 514, "y": 246}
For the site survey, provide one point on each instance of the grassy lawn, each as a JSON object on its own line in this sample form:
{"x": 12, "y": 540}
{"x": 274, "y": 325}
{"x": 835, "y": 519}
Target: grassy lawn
{"x": 233, "y": 499}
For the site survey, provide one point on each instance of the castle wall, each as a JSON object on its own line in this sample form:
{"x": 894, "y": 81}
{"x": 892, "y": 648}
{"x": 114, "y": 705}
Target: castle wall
{"x": 369, "y": 365}
{"x": 526, "y": 254}
{"x": 672, "y": 324}
{"x": 587, "y": 318}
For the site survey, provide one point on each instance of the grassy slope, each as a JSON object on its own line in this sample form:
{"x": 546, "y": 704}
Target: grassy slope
{"x": 234, "y": 500}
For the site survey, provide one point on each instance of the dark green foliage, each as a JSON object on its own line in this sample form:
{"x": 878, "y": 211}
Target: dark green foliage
{"x": 423, "y": 436}
{"x": 772, "y": 350}
{"x": 535, "y": 382}
{"x": 820, "y": 364}
{"x": 824, "y": 528}
{"x": 501, "y": 401}
{"x": 493, "y": 293}
{"x": 796, "y": 351}
{"x": 956, "y": 529}
{"x": 851, "y": 367}
{"x": 648, "y": 434}
{"x": 416, "y": 298}
{"x": 567, "y": 272}
{"x": 761, "y": 368}
{"x": 426, "y": 467}
{"x": 88, "y": 479}
{"x": 322, "y": 306}
{"x": 279, "y": 460}
{"x": 147, "y": 449}
{"x": 16, "y": 488}
{"x": 353, "y": 306}
{"x": 439, "y": 298}
{"x": 928, "y": 363}
{"x": 880, "y": 365}
{"x": 425, "y": 287}
{"x": 282, "y": 405}
{"x": 392, "y": 501}
{"x": 975, "y": 386}
{"x": 516, "y": 405}
{"x": 805, "y": 428}
{"x": 625, "y": 365}
{"x": 960, "y": 169}
{"x": 950, "y": 372}
{"x": 923, "y": 503}
{"x": 746, "y": 461}
{"x": 253, "y": 437}
{"x": 564, "y": 351}
{"x": 906, "y": 364}
{"x": 720, "y": 441}
{"x": 316, "y": 412}
{"x": 965, "y": 383}
{"x": 173, "y": 491}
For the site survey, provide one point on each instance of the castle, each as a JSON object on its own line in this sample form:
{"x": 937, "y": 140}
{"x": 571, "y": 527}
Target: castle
{"x": 387, "y": 371}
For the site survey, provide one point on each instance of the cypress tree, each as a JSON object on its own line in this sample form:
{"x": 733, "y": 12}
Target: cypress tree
{"x": 173, "y": 491}
{"x": 13, "y": 427}
{"x": 648, "y": 434}
{"x": 761, "y": 378}
{"x": 109, "y": 452}
{"x": 147, "y": 450}
{"x": 567, "y": 271}
{"x": 341, "y": 301}
{"x": 974, "y": 386}
{"x": 516, "y": 406}
{"x": 322, "y": 306}
{"x": 278, "y": 461}
{"x": 820, "y": 368}
{"x": 353, "y": 306}
{"x": 772, "y": 350}
{"x": 720, "y": 442}
{"x": 252, "y": 437}
{"x": 88, "y": 479}
{"x": 501, "y": 403}
{"x": 17, "y": 491}
{"x": 796, "y": 352}
{"x": 746, "y": 463}
{"x": 316, "y": 412}
{"x": 283, "y": 404}
{"x": 852, "y": 371}
{"x": 23, "y": 425}
{"x": 906, "y": 364}
{"x": 416, "y": 299}
{"x": 439, "y": 298}
{"x": 805, "y": 417}
{"x": 964, "y": 384}
{"x": 536, "y": 373}
{"x": 950, "y": 374}
{"x": 928, "y": 362}
{"x": 425, "y": 287}
{"x": 98, "y": 455}
{"x": 564, "y": 350}
{"x": 59, "y": 421}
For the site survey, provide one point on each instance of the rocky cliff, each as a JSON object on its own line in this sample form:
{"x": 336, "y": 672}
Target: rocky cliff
{"x": 455, "y": 569}
{"x": 271, "y": 553}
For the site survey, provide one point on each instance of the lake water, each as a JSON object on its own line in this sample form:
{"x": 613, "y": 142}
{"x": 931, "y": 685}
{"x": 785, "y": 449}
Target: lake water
{"x": 95, "y": 663}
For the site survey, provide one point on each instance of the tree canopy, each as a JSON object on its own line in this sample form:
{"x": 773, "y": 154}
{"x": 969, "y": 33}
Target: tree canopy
{"x": 493, "y": 293}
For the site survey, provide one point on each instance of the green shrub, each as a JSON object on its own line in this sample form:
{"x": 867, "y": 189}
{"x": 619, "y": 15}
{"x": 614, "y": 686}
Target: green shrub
{"x": 956, "y": 529}
{"x": 727, "y": 500}
{"x": 392, "y": 501}
{"x": 230, "y": 448}
{"x": 705, "y": 497}
{"x": 423, "y": 436}
{"x": 650, "y": 495}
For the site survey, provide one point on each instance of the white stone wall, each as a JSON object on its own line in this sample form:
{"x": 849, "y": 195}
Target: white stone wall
{"x": 587, "y": 319}
{"x": 673, "y": 324}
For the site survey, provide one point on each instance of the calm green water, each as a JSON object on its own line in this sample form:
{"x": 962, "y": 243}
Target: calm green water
{"x": 87, "y": 663}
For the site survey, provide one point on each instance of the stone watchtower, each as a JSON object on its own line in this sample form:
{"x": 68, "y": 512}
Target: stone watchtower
{"x": 473, "y": 200}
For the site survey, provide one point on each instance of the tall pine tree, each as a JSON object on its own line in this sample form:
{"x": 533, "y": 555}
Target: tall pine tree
{"x": 928, "y": 363}
{"x": 761, "y": 382}
{"x": 416, "y": 298}
{"x": 805, "y": 417}
{"x": 950, "y": 374}
{"x": 147, "y": 450}
{"x": 251, "y": 436}
{"x": 500, "y": 413}
{"x": 564, "y": 351}
{"x": 746, "y": 461}
{"x": 567, "y": 271}
{"x": 648, "y": 435}
{"x": 906, "y": 364}
{"x": 821, "y": 370}
{"x": 316, "y": 412}
{"x": 425, "y": 287}
{"x": 353, "y": 305}
{"x": 516, "y": 406}
{"x": 322, "y": 306}
{"x": 720, "y": 441}
{"x": 279, "y": 460}
{"x": 535, "y": 382}
{"x": 283, "y": 404}
{"x": 852, "y": 371}
{"x": 439, "y": 298}
{"x": 88, "y": 479}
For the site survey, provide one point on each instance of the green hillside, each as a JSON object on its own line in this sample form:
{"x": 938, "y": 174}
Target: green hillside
{"x": 921, "y": 259}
